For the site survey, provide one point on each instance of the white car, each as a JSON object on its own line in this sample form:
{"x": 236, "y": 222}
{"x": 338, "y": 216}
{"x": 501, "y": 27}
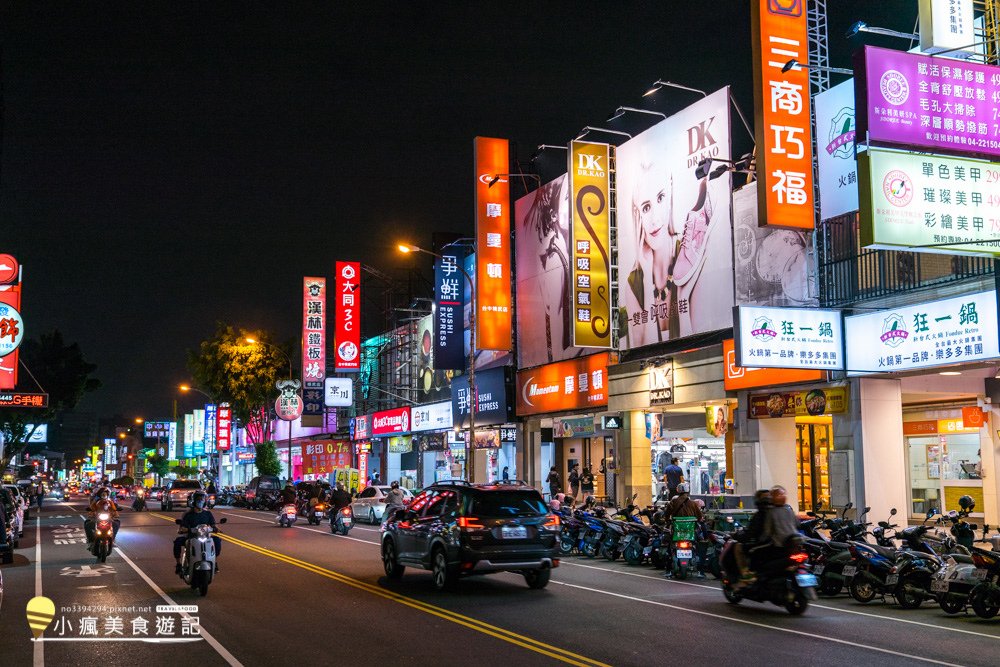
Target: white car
{"x": 21, "y": 502}
{"x": 370, "y": 503}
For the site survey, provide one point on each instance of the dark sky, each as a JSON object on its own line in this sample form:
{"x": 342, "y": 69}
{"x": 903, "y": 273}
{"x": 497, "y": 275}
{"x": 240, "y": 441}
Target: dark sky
{"x": 169, "y": 164}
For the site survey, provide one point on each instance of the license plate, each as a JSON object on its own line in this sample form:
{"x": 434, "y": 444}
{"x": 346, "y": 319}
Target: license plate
{"x": 514, "y": 532}
{"x": 819, "y": 569}
{"x": 939, "y": 585}
{"x": 979, "y": 573}
{"x": 806, "y": 580}
{"x": 347, "y": 521}
{"x": 685, "y": 553}
{"x": 891, "y": 579}
{"x": 850, "y": 570}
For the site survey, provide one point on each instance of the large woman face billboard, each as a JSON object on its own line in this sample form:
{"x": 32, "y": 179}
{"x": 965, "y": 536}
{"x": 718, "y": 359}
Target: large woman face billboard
{"x": 674, "y": 229}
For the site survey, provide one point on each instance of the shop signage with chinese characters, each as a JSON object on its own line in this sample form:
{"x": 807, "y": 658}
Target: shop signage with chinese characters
{"x": 188, "y": 450}
{"x": 589, "y": 169}
{"x": 400, "y": 444}
{"x": 951, "y": 331}
{"x": 493, "y": 279}
{"x": 572, "y": 428}
{"x": 449, "y": 292}
{"x": 321, "y": 457}
{"x": 795, "y": 338}
{"x": 361, "y": 427}
{"x": 339, "y": 392}
{"x": 781, "y": 106}
{"x": 431, "y": 417}
{"x": 211, "y": 425}
{"x": 224, "y": 427}
{"x": 391, "y": 422}
{"x": 157, "y": 429}
{"x": 11, "y": 325}
{"x": 493, "y": 406}
{"x": 313, "y": 348}
{"x": 288, "y": 407}
{"x": 828, "y": 401}
{"x": 913, "y": 201}
{"x": 347, "y": 330}
{"x": 946, "y": 105}
{"x": 566, "y": 385}
{"x": 946, "y": 25}
{"x": 508, "y": 433}
{"x": 11, "y": 329}
{"x": 739, "y": 377}
{"x": 198, "y": 432}
{"x": 835, "y": 160}
{"x": 661, "y": 383}
{"x": 110, "y": 451}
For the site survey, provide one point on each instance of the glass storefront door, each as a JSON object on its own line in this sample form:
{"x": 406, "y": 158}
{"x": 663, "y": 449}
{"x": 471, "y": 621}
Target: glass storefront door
{"x": 813, "y": 450}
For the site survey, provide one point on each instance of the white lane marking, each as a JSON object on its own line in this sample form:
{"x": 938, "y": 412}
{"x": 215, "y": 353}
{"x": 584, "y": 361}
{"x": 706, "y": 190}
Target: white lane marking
{"x": 219, "y": 648}
{"x": 39, "y": 648}
{"x": 312, "y": 530}
{"x": 759, "y": 625}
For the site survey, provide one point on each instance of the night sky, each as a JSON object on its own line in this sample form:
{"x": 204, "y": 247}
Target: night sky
{"x": 169, "y": 164}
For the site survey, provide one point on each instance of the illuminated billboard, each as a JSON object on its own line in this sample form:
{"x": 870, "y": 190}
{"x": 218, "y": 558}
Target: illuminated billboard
{"x": 493, "y": 298}
{"x": 589, "y": 169}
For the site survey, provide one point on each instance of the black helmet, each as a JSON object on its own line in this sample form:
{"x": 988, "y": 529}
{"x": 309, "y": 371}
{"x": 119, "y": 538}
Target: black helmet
{"x": 198, "y": 499}
{"x": 394, "y": 485}
{"x": 762, "y": 498}
{"x": 967, "y": 503}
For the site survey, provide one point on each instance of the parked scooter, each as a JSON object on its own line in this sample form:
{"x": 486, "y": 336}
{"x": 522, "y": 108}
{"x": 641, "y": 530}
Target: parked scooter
{"x": 286, "y": 516}
{"x": 342, "y": 521}
{"x": 953, "y": 584}
{"x": 198, "y": 557}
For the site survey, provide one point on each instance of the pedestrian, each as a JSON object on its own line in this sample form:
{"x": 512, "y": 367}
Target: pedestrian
{"x": 672, "y": 477}
{"x": 574, "y": 481}
{"x": 553, "y": 481}
{"x": 506, "y": 474}
{"x": 587, "y": 483}
{"x": 39, "y": 493}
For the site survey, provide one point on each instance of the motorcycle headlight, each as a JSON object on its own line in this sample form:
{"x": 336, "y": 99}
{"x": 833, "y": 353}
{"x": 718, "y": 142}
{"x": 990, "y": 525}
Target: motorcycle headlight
{"x": 103, "y": 516}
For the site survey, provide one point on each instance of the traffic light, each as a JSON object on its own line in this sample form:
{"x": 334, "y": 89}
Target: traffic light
{"x": 129, "y": 457}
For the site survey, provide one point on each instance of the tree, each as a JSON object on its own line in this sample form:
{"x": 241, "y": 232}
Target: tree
{"x": 184, "y": 471}
{"x": 52, "y": 367}
{"x": 266, "y": 459}
{"x": 159, "y": 465}
{"x": 233, "y": 371}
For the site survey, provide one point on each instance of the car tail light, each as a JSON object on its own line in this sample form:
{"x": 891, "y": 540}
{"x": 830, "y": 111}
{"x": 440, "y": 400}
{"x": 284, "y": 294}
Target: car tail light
{"x": 800, "y": 557}
{"x": 466, "y": 523}
{"x": 551, "y": 523}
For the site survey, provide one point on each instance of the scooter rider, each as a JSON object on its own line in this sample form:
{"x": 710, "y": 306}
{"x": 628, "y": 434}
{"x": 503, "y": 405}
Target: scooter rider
{"x": 102, "y": 503}
{"x": 780, "y": 530}
{"x": 194, "y": 517}
{"x": 683, "y": 506}
{"x": 340, "y": 499}
{"x": 288, "y": 494}
{"x": 393, "y": 500}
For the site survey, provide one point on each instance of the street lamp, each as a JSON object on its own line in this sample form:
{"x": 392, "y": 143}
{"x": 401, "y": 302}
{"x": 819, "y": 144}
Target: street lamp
{"x": 795, "y": 64}
{"x": 211, "y": 457}
{"x": 470, "y": 445}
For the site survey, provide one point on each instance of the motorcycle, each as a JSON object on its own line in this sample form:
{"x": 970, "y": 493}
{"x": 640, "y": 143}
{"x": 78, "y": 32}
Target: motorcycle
{"x": 682, "y": 548}
{"x": 783, "y": 582}
{"x": 104, "y": 537}
{"x": 342, "y": 521}
{"x": 953, "y": 584}
{"x": 315, "y": 515}
{"x": 139, "y": 502}
{"x": 286, "y": 516}
{"x": 198, "y": 557}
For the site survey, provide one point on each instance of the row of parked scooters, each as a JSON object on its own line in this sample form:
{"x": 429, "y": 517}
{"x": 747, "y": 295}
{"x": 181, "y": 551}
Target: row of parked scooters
{"x": 938, "y": 560}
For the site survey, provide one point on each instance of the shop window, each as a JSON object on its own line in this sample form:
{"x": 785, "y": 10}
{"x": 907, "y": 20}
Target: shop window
{"x": 813, "y": 447}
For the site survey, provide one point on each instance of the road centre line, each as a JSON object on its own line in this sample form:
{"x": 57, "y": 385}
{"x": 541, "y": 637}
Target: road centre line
{"x": 759, "y": 625}
{"x": 38, "y": 650}
{"x": 480, "y": 626}
{"x": 312, "y": 530}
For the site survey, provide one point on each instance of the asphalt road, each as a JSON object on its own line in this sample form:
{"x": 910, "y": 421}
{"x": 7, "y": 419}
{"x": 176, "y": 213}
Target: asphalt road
{"x": 306, "y": 595}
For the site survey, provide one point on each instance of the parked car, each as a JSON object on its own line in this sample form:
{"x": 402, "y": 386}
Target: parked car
{"x": 8, "y": 530}
{"x": 178, "y": 493}
{"x": 22, "y": 504}
{"x": 260, "y": 490}
{"x": 457, "y": 529}
{"x": 370, "y": 503}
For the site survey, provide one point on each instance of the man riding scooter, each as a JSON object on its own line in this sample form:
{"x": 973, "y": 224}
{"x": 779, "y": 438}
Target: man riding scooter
{"x": 102, "y": 503}
{"x": 194, "y": 517}
{"x": 340, "y": 499}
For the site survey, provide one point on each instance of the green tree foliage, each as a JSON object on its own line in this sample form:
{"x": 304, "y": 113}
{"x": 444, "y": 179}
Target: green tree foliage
{"x": 233, "y": 371}
{"x": 157, "y": 464}
{"x": 184, "y": 471}
{"x": 266, "y": 459}
{"x": 63, "y": 374}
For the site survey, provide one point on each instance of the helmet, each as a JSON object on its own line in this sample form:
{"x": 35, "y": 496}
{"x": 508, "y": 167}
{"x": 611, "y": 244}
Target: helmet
{"x": 967, "y": 503}
{"x": 340, "y": 486}
{"x": 394, "y": 485}
{"x": 700, "y": 503}
{"x": 683, "y": 488}
{"x": 198, "y": 499}
{"x": 762, "y": 498}
{"x": 103, "y": 493}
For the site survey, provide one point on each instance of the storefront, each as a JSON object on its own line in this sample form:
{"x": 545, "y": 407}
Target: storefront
{"x": 494, "y": 410}
{"x": 360, "y": 432}
{"x": 943, "y": 446}
{"x": 390, "y": 443}
{"x": 560, "y": 406}
{"x": 439, "y": 454}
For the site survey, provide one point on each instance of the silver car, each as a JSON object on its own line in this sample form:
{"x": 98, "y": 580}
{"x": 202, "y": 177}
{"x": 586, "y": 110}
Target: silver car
{"x": 21, "y": 502}
{"x": 370, "y": 503}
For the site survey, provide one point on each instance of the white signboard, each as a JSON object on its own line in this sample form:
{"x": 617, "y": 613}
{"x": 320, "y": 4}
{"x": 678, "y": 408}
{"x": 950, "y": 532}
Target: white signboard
{"x": 803, "y": 338}
{"x": 914, "y": 201}
{"x": 952, "y": 331}
{"x": 431, "y": 417}
{"x": 41, "y": 433}
{"x": 338, "y": 392}
{"x": 838, "y": 168}
{"x": 947, "y": 25}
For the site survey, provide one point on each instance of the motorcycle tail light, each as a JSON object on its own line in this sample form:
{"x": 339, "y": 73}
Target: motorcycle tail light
{"x": 346, "y": 511}
{"x": 893, "y": 570}
{"x": 978, "y": 560}
{"x": 319, "y": 508}
{"x": 800, "y": 557}
{"x": 683, "y": 545}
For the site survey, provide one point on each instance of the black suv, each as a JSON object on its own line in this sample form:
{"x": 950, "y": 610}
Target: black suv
{"x": 457, "y": 528}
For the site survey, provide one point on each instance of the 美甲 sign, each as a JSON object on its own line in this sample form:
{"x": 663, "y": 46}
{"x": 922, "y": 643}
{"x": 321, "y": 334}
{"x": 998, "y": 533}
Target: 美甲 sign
{"x": 224, "y": 427}
{"x": 567, "y": 385}
{"x": 910, "y": 99}
{"x": 493, "y": 313}
{"x": 946, "y": 25}
{"x": 493, "y": 406}
{"x": 347, "y": 330}
{"x": 789, "y": 338}
{"x": 912, "y": 201}
{"x": 431, "y": 417}
{"x": 740, "y": 377}
{"x": 589, "y": 168}
{"x": 661, "y": 383}
{"x": 828, "y": 401}
{"x": 449, "y": 291}
{"x": 837, "y": 166}
{"x": 339, "y": 392}
{"x": 950, "y": 331}
{"x": 781, "y": 112}
{"x": 391, "y": 422}
{"x": 313, "y": 345}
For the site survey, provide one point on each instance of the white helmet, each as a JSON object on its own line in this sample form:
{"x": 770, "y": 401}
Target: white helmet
{"x": 683, "y": 487}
